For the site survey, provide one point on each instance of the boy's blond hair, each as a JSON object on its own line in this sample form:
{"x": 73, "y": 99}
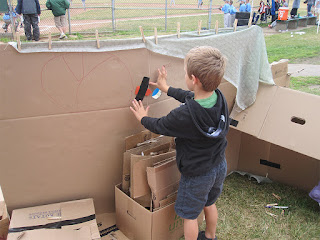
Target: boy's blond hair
{"x": 207, "y": 64}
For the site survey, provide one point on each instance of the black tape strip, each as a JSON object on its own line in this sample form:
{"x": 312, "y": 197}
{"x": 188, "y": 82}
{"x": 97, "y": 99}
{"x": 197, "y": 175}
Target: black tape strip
{"x": 233, "y": 122}
{"x": 108, "y": 230}
{"x": 55, "y": 225}
{"x": 269, "y": 164}
{"x": 143, "y": 88}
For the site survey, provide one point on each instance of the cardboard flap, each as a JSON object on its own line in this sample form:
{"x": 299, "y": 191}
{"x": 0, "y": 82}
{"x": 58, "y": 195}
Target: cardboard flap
{"x": 77, "y": 209}
{"x": 163, "y": 180}
{"x": 53, "y": 234}
{"x": 251, "y": 119}
{"x": 293, "y": 122}
{"x": 139, "y": 186}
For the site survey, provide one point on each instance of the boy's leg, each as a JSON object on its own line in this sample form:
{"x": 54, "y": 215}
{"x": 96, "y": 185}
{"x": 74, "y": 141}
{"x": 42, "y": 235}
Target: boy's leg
{"x": 211, "y": 214}
{"x": 190, "y": 229}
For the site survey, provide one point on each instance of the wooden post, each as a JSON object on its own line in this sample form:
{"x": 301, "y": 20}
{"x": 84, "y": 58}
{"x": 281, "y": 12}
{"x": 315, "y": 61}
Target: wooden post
{"x": 18, "y": 42}
{"x": 235, "y": 25}
{"x": 142, "y": 35}
{"x": 250, "y": 20}
{"x": 217, "y": 26}
{"x": 97, "y": 38}
{"x": 49, "y": 41}
{"x": 199, "y": 27}
{"x": 178, "y": 29}
{"x": 156, "y": 35}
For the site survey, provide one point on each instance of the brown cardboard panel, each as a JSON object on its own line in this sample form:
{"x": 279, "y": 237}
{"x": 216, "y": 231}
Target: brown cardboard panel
{"x": 233, "y": 149}
{"x": 229, "y": 91}
{"x": 279, "y": 69}
{"x": 132, "y": 219}
{"x": 251, "y": 152}
{"x": 296, "y": 169}
{"x": 64, "y": 157}
{"x": 126, "y": 171}
{"x": 139, "y": 186}
{"x": 53, "y": 234}
{"x": 4, "y": 221}
{"x": 107, "y": 227}
{"x": 175, "y": 70}
{"x": 52, "y": 213}
{"x": 293, "y": 122}
{"x": 283, "y": 81}
{"x": 52, "y": 83}
{"x": 251, "y": 119}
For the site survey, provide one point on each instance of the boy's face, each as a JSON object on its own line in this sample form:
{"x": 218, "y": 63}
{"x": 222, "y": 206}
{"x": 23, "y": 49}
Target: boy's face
{"x": 188, "y": 80}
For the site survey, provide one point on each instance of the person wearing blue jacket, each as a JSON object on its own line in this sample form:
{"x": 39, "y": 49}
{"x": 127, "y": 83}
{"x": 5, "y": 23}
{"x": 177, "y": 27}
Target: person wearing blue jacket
{"x": 226, "y": 10}
{"x": 233, "y": 11}
{"x": 30, "y": 10}
{"x": 248, "y": 6}
{"x": 242, "y": 6}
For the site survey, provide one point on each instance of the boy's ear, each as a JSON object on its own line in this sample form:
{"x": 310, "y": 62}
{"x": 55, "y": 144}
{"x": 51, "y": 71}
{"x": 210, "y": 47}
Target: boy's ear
{"x": 195, "y": 80}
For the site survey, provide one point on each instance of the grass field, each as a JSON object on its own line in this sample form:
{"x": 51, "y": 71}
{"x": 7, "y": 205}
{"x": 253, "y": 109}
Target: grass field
{"x": 242, "y": 214}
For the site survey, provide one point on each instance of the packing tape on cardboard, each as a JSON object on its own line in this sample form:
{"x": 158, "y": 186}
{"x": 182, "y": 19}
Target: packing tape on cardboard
{"x": 108, "y": 230}
{"x": 55, "y": 225}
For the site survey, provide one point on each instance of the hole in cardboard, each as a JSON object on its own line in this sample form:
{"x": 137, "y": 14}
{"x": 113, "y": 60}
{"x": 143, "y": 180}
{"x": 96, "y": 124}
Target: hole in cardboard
{"x": 298, "y": 120}
{"x": 269, "y": 164}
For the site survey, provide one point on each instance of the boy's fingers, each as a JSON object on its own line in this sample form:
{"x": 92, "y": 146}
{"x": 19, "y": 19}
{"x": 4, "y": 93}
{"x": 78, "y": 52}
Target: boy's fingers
{"x": 152, "y": 83}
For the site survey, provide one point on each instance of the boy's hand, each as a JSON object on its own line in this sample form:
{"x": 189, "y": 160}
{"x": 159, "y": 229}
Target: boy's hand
{"x": 138, "y": 110}
{"x": 162, "y": 80}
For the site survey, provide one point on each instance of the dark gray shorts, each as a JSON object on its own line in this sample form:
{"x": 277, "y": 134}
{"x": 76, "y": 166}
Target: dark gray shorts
{"x": 197, "y": 192}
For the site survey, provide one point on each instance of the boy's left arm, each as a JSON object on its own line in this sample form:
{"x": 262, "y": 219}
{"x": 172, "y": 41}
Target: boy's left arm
{"x": 173, "y": 124}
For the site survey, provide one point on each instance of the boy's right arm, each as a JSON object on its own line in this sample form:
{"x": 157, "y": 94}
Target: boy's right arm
{"x": 176, "y": 93}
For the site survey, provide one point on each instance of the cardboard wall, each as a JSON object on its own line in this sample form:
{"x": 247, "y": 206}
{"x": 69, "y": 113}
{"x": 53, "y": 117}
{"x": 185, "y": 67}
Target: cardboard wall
{"x": 63, "y": 120}
{"x": 64, "y": 117}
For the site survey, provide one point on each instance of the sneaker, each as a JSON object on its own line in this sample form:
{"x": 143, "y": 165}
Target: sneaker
{"x": 202, "y": 236}
{"x": 62, "y": 36}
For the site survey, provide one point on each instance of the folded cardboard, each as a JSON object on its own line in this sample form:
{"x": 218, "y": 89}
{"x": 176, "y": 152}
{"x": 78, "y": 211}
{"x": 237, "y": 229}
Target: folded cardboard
{"x": 67, "y": 220}
{"x": 280, "y": 74}
{"x": 163, "y": 180}
{"x": 277, "y": 137}
{"x": 139, "y": 164}
{"x": 138, "y": 150}
{"x": 137, "y": 222}
{"x": 108, "y": 228}
{"x": 4, "y": 217}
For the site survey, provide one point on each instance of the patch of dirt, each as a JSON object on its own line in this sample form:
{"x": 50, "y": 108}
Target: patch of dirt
{"x": 312, "y": 60}
{"x": 314, "y": 87}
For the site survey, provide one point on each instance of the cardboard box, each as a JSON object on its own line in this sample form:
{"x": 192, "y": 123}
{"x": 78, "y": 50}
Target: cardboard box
{"x": 108, "y": 228}
{"x": 4, "y": 217}
{"x": 280, "y": 73}
{"x": 137, "y": 222}
{"x": 74, "y": 220}
{"x": 277, "y": 137}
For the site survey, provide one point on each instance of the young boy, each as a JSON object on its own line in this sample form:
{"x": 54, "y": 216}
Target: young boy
{"x": 200, "y": 126}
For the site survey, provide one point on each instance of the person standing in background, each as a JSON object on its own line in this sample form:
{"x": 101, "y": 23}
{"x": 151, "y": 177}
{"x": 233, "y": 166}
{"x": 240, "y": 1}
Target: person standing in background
{"x": 31, "y": 12}
{"x": 233, "y": 11}
{"x": 59, "y": 8}
{"x": 226, "y": 10}
{"x": 242, "y": 6}
{"x": 295, "y": 7}
{"x": 248, "y": 6}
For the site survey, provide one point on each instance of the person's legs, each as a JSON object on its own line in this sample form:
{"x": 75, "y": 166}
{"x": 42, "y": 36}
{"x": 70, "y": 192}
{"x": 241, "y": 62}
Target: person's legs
{"x": 35, "y": 27}
{"x": 27, "y": 26}
{"x": 211, "y": 214}
{"x": 190, "y": 229}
